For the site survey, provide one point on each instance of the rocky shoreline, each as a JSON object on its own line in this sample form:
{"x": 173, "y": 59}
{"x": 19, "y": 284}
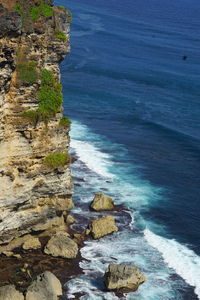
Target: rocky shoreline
{"x": 39, "y": 245}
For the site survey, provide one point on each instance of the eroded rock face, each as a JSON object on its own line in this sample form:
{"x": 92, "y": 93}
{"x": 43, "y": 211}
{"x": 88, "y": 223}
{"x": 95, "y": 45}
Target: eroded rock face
{"x": 45, "y": 287}
{"x": 127, "y": 278}
{"x": 33, "y": 197}
{"x": 103, "y": 226}
{"x": 102, "y": 202}
{"x": 9, "y": 292}
{"x": 60, "y": 245}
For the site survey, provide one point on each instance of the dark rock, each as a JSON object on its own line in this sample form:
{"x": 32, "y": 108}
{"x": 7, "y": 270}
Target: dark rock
{"x": 10, "y": 23}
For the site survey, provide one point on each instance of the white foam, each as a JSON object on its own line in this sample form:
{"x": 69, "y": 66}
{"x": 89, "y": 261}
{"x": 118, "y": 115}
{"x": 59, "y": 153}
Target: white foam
{"x": 183, "y": 260}
{"x": 88, "y": 152}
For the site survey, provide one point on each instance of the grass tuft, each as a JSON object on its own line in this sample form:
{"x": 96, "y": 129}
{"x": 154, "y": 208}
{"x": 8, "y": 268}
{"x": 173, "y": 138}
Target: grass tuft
{"x": 65, "y": 122}
{"x": 57, "y": 160}
{"x": 27, "y": 72}
{"x": 60, "y": 35}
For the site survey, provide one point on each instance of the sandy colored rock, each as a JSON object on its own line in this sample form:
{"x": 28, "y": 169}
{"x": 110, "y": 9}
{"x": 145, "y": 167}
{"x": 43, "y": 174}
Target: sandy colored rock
{"x": 70, "y": 219}
{"x": 32, "y": 243}
{"x": 45, "y": 287}
{"x": 102, "y": 202}
{"x": 103, "y": 226}
{"x": 9, "y": 292}
{"x": 60, "y": 245}
{"x": 123, "y": 277}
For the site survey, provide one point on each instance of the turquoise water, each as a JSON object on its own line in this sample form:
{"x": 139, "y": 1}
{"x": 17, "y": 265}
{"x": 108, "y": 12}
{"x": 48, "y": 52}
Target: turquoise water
{"x": 135, "y": 105}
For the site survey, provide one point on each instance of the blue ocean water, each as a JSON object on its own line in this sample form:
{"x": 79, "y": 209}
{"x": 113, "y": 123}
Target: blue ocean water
{"x": 135, "y": 105}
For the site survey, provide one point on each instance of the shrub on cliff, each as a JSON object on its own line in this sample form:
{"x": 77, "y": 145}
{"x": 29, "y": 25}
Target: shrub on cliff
{"x": 57, "y": 160}
{"x": 27, "y": 72}
{"x": 46, "y": 9}
{"x": 42, "y": 9}
{"x": 31, "y": 115}
{"x": 65, "y": 122}
{"x": 34, "y": 13}
{"x": 60, "y": 35}
{"x": 49, "y": 94}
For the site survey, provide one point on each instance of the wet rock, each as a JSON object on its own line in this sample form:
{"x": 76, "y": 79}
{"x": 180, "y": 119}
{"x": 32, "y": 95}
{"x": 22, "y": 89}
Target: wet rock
{"x": 32, "y": 243}
{"x": 45, "y": 287}
{"x": 103, "y": 226}
{"x": 60, "y": 245}
{"x": 9, "y": 292}
{"x": 102, "y": 202}
{"x": 127, "y": 278}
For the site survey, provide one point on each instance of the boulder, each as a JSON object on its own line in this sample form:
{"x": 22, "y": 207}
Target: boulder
{"x": 60, "y": 245}
{"x": 45, "y": 287}
{"x": 103, "y": 226}
{"x": 32, "y": 243}
{"x": 9, "y": 292}
{"x": 127, "y": 278}
{"x": 70, "y": 220}
{"x": 102, "y": 202}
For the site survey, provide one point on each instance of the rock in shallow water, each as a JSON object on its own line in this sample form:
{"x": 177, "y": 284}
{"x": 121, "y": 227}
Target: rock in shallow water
{"x": 127, "y": 278}
{"x": 8, "y": 292}
{"x": 103, "y": 226}
{"x": 102, "y": 202}
{"x": 60, "y": 245}
{"x": 45, "y": 287}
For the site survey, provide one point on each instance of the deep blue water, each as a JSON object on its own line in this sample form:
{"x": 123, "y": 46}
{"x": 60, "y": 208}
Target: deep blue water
{"x": 127, "y": 81}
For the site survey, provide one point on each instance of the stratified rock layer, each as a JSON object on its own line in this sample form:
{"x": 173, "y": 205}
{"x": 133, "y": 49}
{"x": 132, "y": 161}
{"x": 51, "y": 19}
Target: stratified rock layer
{"x": 123, "y": 277}
{"x": 32, "y": 196}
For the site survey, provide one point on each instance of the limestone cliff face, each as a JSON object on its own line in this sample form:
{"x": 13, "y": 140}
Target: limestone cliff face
{"x": 33, "y": 196}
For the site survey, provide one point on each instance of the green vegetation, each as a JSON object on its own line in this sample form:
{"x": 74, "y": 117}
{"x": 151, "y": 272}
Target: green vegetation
{"x": 42, "y": 9}
{"x": 49, "y": 95}
{"x": 69, "y": 15}
{"x": 65, "y": 122}
{"x": 46, "y": 10}
{"x": 34, "y": 13}
{"x": 27, "y": 72}
{"x": 50, "y": 99}
{"x": 60, "y": 35}
{"x": 47, "y": 77}
{"x": 54, "y": 160}
{"x": 19, "y": 9}
{"x": 31, "y": 115}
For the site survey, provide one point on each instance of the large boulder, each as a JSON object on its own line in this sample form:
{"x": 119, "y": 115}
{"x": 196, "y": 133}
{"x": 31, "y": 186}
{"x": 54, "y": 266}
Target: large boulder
{"x": 9, "y": 292}
{"x": 102, "y": 202}
{"x": 31, "y": 243}
{"x": 60, "y": 245}
{"x": 127, "y": 278}
{"x": 103, "y": 226}
{"x": 45, "y": 287}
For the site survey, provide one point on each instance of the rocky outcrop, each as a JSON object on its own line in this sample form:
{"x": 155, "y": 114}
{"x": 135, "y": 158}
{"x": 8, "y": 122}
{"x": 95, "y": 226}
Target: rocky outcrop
{"x": 101, "y": 227}
{"x": 33, "y": 196}
{"x": 60, "y": 245}
{"x": 127, "y": 278}
{"x": 9, "y": 292}
{"x": 102, "y": 202}
{"x": 45, "y": 287}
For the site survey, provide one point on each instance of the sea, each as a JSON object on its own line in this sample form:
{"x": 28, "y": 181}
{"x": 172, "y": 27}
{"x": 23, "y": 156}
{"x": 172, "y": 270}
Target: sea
{"x": 131, "y": 86}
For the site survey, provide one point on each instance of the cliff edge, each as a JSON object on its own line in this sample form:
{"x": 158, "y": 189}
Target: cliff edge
{"x": 35, "y": 178}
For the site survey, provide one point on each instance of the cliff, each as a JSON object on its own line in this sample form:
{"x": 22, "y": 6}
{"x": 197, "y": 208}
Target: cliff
{"x": 35, "y": 178}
